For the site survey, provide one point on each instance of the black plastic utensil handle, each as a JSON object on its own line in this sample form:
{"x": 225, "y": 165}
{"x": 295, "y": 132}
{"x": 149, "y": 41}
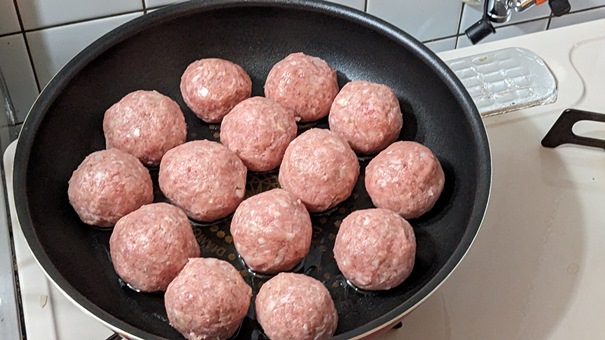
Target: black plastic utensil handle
{"x": 561, "y": 132}
{"x": 559, "y": 7}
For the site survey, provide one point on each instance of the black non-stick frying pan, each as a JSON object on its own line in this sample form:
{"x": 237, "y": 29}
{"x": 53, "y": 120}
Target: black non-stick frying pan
{"x": 151, "y": 52}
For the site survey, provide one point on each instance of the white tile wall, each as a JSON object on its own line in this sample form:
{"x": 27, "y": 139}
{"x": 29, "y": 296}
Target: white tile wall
{"x": 52, "y": 48}
{"x": 18, "y": 73}
{"x": 56, "y": 30}
{"x": 426, "y": 20}
{"x": 577, "y": 5}
{"x": 157, "y": 3}
{"x": 41, "y": 13}
{"x": 357, "y": 4}
{"x": 509, "y": 32}
{"x": 9, "y": 22}
{"x": 442, "y": 44}
{"x": 577, "y": 17}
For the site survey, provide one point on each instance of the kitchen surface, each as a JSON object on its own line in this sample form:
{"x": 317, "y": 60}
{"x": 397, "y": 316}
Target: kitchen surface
{"x": 535, "y": 269}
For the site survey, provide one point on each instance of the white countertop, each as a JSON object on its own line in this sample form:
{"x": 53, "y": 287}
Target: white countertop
{"x": 536, "y": 268}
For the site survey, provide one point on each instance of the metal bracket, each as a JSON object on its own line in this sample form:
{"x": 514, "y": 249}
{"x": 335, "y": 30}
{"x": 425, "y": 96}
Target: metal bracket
{"x": 561, "y": 132}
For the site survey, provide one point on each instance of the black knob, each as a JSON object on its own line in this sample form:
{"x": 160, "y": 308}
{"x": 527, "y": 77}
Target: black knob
{"x": 479, "y": 30}
{"x": 559, "y": 7}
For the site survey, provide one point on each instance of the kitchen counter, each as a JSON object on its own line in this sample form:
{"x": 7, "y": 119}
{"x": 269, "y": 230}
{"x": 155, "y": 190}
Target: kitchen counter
{"x": 535, "y": 270}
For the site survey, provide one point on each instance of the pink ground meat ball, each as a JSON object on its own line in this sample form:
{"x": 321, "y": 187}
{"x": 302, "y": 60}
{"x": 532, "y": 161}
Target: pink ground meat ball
{"x": 145, "y": 124}
{"x": 375, "y": 249}
{"x": 406, "y": 178}
{"x": 207, "y": 300}
{"x": 212, "y": 87}
{"x": 296, "y": 307}
{"x": 151, "y": 245}
{"x": 304, "y": 84}
{"x": 107, "y": 185}
{"x": 367, "y": 115}
{"x": 272, "y": 231}
{"x": 320, "y": 168}
{"x": 204, "y": 178}
{"x": 258, "y": 130}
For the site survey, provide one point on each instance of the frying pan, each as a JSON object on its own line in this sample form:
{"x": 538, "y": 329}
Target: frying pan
{"x": 151, "y": 52}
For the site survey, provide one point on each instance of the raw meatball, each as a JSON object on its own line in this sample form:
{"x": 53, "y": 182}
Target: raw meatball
{"x": 367, "y": 115}
{"x": 405, "y": 177}
{"x": 212, "y": 87}
{"x": 204, "y": 178}
{"x": 375, "y": 249}
{"x": 145, "y": 124}
{"x": 258, "y": 130}
{"x": 107, "y": 185}
{"x": 272, "y": 231}
{"x": 151, "y": 245}
{"x": 207, "y": 300}
{"x": 295, "y": 306}
{"x": 320, "y": 168}
{"x": 304, "y": 84}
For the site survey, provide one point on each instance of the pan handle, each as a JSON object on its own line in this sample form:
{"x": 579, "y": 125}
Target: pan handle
{"x": 561, "y": 132}
{"x": 114, "y": 336}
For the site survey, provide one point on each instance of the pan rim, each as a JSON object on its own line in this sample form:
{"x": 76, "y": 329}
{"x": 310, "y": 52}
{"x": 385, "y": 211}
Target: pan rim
{"x": 67, "y": 73}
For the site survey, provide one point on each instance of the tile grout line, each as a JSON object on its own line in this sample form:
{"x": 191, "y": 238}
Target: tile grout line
{"x": 502, "y": 26}
{"x": 10, "y": 33}
{"x": 365, "y": 6}
{"x": 439, "y": 39}
{"x": 459, "y": 25}
{"x": 27, "y": 48}
{"x": 17, "y": 282}
{"x": 79, "y": 21}
{"x": 549, "y": 18}
{"x": 585, "y": 9}
{"x": 145, "y": 9}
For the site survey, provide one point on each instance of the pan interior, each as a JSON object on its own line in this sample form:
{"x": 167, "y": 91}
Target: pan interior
{"x": 151, "y": 53}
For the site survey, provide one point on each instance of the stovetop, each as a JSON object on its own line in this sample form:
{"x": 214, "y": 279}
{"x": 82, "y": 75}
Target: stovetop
{"x": 535, "y": 270}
